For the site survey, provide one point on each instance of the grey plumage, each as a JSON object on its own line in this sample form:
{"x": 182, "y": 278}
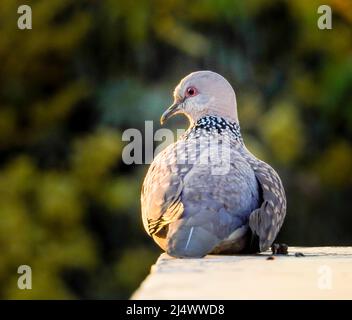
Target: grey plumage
{"x": 207, "y": 193}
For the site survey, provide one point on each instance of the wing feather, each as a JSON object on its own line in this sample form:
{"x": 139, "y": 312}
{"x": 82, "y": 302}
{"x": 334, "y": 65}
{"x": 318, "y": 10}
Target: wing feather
{"x": 161, "y": 193}
{"x": 266, "y": 221}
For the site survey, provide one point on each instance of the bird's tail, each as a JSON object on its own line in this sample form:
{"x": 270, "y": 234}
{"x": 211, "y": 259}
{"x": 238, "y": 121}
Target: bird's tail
{"x": 192, "y": 241}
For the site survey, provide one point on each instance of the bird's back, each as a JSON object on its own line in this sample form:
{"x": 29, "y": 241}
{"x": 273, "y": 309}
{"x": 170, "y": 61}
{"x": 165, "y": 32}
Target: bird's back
{"x": 203, "y": 191}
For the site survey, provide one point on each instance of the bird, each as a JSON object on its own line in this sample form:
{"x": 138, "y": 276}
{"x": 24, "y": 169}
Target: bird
{"x": 207, "y": 193}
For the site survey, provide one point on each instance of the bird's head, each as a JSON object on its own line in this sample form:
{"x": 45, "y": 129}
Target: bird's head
{"x": 203, "y": 93}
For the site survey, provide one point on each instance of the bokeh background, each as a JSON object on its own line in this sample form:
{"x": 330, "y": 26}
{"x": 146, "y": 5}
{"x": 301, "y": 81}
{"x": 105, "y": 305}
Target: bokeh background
{"x": 89, "y": 69}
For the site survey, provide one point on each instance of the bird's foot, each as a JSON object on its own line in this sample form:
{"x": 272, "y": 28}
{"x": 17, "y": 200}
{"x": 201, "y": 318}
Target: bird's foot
{"x": 279, "y": 248}
{"x": 299, "y": 254}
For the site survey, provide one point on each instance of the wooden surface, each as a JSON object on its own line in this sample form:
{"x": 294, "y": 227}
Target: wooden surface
{"x": 322, "y": 273}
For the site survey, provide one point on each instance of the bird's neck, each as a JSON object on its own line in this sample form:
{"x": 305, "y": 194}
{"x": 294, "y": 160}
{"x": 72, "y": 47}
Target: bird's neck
{"x": 215, "y": 125}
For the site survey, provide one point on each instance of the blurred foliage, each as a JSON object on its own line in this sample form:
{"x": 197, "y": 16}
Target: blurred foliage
{"x": 89, "y": 69}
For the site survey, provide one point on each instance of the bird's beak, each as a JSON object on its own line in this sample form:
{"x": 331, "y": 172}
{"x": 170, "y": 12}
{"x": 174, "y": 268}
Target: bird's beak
{"x": 172, "y": 110}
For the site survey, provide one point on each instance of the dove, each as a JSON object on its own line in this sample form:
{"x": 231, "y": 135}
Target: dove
{"x": 207, "y": 193}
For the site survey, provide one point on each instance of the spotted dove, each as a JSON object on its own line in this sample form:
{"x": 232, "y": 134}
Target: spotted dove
{"x": 206, "y": 193}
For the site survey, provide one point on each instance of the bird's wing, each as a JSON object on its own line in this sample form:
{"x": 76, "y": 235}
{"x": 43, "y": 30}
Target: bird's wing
{"x": 267, "y": 220}
{"x": 160, "y": 197}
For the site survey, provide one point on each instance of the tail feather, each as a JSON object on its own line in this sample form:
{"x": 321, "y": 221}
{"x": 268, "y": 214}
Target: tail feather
{"x": 189, "y": 241}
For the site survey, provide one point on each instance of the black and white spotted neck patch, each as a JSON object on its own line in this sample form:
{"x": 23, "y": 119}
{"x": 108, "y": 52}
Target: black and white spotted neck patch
{"x": 209, "y": 125}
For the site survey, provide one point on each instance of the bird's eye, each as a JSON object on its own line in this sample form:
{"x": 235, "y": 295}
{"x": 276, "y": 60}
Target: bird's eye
{"x": 191, "y": 91}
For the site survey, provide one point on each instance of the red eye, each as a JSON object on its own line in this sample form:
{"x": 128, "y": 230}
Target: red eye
{"x": 191, "y": 91}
